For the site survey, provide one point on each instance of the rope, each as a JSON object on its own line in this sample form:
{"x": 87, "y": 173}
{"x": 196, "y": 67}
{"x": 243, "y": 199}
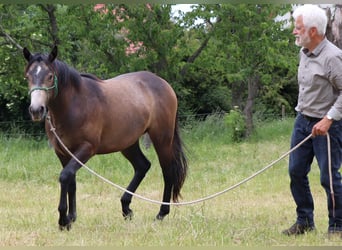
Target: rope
{"x": 53, "y": 130}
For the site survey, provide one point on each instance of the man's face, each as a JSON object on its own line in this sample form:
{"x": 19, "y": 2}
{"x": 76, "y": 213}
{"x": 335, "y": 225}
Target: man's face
{"x": 301, "y": 33}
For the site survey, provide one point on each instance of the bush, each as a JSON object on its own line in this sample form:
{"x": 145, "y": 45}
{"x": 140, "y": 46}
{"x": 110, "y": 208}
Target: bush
{"x": 236, "y": 124}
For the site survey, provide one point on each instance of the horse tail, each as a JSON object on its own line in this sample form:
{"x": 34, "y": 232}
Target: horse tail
{"x": 179, "y": 163}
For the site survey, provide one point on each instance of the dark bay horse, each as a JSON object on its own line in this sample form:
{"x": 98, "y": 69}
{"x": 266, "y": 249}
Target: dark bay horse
{"x": 94, "y": 116}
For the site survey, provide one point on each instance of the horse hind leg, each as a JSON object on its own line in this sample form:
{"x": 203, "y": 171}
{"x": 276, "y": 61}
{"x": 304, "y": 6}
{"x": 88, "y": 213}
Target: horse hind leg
{"x": 164, "y": 152}
{"x": 141, "y": 165}
{"x": 174, "y": 166}
{"x": 168, "y": 185}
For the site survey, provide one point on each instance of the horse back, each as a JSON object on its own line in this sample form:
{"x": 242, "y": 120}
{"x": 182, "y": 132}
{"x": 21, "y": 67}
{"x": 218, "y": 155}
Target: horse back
{"x": 136, "y": 103}
{"x": 142, "y": 90}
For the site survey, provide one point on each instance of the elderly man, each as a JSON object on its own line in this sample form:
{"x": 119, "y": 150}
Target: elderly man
{"x": 319, "y": 110}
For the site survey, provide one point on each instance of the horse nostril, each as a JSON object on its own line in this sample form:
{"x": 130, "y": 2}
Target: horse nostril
{"x": 37, "y": 113}
{"x": 42, "y": 110}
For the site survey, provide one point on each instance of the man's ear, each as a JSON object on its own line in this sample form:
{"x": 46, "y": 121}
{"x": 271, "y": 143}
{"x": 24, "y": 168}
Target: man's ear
{"x": 313, "y": 31}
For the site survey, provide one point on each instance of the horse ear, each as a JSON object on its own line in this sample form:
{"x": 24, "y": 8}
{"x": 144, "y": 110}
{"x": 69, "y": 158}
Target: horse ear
{"x": 27, "y": 54}
{"x": 53, "y": 54}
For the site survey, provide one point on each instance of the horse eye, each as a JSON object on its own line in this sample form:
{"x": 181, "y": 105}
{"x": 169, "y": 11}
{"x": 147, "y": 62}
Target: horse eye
{"x": 50, "y": 77}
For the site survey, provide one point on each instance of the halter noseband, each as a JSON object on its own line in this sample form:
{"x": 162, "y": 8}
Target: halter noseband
{"x": 55, "y": 87}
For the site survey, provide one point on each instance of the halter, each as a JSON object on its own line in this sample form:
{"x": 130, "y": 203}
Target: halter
{"x": 54, "y": 87}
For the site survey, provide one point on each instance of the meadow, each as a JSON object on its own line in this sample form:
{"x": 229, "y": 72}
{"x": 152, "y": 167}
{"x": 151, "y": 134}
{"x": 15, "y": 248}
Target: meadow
{"x": 253, "y": 214}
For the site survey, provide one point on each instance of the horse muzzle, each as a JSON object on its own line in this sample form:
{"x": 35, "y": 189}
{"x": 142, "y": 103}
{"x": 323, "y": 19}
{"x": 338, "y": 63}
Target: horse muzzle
{"x": 38, "y": 114}
{"x": 38, "y": 107}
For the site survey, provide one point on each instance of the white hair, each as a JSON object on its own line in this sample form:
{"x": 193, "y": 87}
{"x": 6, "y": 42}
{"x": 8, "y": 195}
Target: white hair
{"x": 313, "y": 16}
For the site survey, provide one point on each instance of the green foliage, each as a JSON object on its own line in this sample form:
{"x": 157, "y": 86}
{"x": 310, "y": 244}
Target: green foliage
{"x": 209, "y": 64}
{"x": 206, "y": 129}
{"x": 236, "y": 124}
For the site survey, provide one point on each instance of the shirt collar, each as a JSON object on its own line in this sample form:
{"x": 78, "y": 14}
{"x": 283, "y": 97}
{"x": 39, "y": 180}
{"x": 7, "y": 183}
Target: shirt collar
{"x": 317, "y": 50}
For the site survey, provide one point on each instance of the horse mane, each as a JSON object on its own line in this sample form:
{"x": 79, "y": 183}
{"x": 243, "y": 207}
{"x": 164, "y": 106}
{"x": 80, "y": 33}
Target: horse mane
{"x": 67, "y": 74}
{"x": 91, "y": 76}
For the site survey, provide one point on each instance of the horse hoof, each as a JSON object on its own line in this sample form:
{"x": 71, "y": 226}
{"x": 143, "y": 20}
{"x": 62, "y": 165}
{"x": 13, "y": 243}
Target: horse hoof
{"x": 160, "y": 217}
{"x": 67, "y": 227}
{"x": 72, "y": 218}
{"x": 128, "y": 215}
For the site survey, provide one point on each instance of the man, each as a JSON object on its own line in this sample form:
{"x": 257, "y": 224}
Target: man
{"x": 319, "y": 110}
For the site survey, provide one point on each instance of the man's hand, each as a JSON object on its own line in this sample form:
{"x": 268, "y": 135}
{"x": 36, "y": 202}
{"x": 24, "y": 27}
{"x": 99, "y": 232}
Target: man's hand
{"x": 321, "y": 127}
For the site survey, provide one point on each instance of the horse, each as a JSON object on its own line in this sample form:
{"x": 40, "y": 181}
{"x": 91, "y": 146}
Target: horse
{"x": 93, "y": 116}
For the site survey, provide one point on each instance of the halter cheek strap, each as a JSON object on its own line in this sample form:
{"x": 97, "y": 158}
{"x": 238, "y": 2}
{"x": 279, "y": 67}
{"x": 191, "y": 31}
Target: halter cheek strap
{"x": 53, "y": 87}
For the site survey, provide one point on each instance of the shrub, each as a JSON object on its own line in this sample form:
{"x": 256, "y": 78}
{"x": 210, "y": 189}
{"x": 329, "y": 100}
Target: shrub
{"x": 236, "y": 124}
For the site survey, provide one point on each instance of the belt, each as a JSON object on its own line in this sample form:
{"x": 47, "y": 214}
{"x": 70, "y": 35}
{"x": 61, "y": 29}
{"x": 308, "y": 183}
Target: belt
{"x": 310, "y": 118}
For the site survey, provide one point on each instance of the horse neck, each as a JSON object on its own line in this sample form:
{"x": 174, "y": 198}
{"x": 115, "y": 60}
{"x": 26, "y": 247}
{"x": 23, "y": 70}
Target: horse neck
{"x": 73, "y": 91}
{"x": 61, "y": 104}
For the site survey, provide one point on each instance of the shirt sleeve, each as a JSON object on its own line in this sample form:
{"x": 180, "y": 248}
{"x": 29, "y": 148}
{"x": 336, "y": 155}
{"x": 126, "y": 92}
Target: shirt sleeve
{"x": 335, "y": 78}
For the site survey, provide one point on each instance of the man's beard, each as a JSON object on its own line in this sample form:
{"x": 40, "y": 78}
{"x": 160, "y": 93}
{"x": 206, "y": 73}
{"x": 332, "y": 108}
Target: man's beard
{"x": 303, "y": 40}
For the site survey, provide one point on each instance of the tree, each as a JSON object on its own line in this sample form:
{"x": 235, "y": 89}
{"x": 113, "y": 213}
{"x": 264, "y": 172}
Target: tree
{"x": 13, "y": 92}
{"x": 252, "y": 52}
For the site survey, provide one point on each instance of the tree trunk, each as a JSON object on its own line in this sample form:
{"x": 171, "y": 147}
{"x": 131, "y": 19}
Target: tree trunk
{"x": 253, "y": 87}
{"x": 334, "y": 28}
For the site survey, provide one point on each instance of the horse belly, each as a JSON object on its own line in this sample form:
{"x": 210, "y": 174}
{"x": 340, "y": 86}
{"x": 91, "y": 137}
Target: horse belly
{"x": 121, "y": 134}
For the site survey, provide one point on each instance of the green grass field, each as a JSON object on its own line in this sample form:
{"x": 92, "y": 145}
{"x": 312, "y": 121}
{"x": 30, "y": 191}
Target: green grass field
{"x": 253, "y": 214}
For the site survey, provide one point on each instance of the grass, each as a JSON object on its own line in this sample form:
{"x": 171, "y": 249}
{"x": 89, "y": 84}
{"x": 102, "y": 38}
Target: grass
{"x": 253, "y": 214}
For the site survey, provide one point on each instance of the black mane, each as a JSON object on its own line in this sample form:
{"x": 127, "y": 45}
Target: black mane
{"x": 69, "y": 75}
{"x": 91, "y": 76}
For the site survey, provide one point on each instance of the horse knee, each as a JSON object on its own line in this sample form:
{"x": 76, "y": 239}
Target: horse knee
{"x": 141, "y": 170}
{"x": 66, "y": 177}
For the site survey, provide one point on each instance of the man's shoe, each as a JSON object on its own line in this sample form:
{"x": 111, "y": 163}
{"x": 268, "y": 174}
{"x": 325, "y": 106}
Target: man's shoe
{"x": 335, "y": 231}
{"x": 297, "y": 229}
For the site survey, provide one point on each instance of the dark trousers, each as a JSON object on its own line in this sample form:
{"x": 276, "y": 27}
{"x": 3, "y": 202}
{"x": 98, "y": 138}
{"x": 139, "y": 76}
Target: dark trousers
{"x": 300, "y": 164}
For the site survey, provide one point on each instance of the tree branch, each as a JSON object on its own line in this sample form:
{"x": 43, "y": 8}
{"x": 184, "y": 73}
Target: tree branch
{"x": 9, "y": 38}
{"x": 204, "y": 44}
{"x": 50, "y": 9}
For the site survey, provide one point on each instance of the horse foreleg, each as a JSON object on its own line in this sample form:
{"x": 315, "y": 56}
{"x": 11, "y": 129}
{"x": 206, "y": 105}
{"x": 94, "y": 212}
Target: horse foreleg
{"x": 67, "y": 181}
{"x": 67, "y": 217}
{"x": 72, "y": 201}
{"x": 141, "y": 165}
{"x": 62, "y": 209}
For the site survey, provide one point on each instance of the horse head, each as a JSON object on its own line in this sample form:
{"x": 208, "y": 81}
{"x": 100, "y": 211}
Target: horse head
{"x": 42, "y": 81}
